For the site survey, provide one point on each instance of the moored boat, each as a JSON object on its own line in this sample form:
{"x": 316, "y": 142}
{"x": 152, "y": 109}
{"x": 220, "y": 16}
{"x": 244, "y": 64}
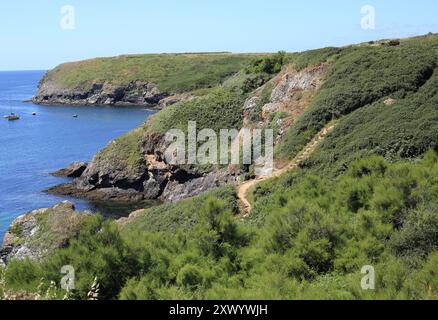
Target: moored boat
{"x": 12, "y": 117}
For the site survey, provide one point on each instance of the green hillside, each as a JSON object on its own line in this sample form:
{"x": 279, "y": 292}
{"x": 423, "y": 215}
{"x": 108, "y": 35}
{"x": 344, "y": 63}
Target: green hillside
{"x": 170, "y": 72}
{"x": 360, "y": 76}
{"x": 368, "y": 195}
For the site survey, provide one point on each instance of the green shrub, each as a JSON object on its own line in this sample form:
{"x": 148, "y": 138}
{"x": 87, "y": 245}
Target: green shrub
{"x": 269, "y": 65}
{"x": 357, "y": 79}
{"x": 221, "y": 109}
{"x": 406, "y": 129}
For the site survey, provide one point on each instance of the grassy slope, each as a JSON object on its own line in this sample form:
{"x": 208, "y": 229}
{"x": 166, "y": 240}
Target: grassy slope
{"x": 170, "y": 72}
{"x": 406, "y": 129}
{"x": 220, "y": 109}
{"x": 360, "y": 76}
{"x": 310, "y": 233}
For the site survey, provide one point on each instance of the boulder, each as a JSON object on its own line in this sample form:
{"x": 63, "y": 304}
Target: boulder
{"x": 38, "y": 233}
{"x": 74, "y": 170}
{"x": 389, "y": 102}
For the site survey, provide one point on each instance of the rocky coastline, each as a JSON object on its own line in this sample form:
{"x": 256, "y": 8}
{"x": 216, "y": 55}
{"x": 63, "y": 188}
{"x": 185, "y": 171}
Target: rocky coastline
{"x": 108, "y": 178}
{"x": 169, "y": 184}
{"x": 134, "y": 93}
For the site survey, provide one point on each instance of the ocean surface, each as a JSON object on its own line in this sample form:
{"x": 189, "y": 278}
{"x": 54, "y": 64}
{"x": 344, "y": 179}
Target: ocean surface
{"x": 34, "y": 146}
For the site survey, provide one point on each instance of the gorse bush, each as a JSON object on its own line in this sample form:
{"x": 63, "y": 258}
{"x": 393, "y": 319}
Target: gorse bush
{"x": 368, "y": 195}
{"x": 100, "y": 252}
{"x": 269, "y": 65}
{"x": 313, "y": 58}
{"x": 182, "y": 215}
{"x": 405, "y": 129}
{"x": 359, "y": 78}
{"x": 308, "y": 238}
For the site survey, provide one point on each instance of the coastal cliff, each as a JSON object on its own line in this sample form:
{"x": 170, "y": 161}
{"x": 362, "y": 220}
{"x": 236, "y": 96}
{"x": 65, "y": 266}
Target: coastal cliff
{"x": 133, "y": 168}
{"x": 153, "y": 80}
{"x": 133, "y": 93}
{"x": 295, "y": 95}
{"x": 356, "y": 131}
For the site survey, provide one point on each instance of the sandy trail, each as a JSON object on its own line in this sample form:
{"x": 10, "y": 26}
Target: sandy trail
{"x": 244, "y": 188}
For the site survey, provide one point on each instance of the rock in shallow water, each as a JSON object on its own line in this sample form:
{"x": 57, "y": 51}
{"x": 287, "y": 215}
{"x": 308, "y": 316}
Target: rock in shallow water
{"x": 74, "y": 170}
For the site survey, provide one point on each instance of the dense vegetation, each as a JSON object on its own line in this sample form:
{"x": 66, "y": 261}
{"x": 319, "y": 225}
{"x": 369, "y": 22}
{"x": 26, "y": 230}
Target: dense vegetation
{"x": 367, "y": 196}
{"x": 406, "y": 129}
{"x": 379, "y": 214}
{"x": 170, "y": 72}
{"x": 219, "y": 109}
{"x": 359, "y": 77}
{"x": 183, "y": 216}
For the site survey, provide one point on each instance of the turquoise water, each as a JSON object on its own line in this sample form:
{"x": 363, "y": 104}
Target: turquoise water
{"x": 34, "y": 146}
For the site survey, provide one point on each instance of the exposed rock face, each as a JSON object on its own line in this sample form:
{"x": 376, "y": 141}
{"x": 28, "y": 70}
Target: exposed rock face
{"x": 38, "y": 233}
{"x": 177, "y": 190}
{"x": 390, "y": 102}
{"x": 111, "y": 177}
{"x": 75, "y": 170}
{"x": 134, "y": 93}
{"x": 108, "y": 177}
{"x": 291, "y": 95}
{"x": 168, "y": 184}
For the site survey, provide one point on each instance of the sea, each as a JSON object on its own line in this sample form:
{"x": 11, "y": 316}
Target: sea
{"x": 36, "y": 145}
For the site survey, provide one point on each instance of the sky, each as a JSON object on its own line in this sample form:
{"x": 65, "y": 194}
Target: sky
{"x": 38, "y": 35}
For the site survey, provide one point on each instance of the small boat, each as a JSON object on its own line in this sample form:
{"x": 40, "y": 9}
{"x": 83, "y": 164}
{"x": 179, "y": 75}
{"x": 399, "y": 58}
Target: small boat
{"x": 12, "y": 117}
{"x": 34, "y": 113}
{"x": 75, "y": 116}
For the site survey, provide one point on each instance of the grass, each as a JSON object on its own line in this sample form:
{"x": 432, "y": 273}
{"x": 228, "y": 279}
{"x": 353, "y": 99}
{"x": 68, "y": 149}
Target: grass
{"x": 125, "y": 151}
{"x": 16, "y": 230}
{"x": 313, "y": 58}
{"x": 367, "y": 196}
{"x": 220, "y": 109}
{"x": 173, "y": 73}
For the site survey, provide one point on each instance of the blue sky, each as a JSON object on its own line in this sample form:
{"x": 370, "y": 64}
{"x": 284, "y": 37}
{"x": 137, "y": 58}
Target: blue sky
{"x": 31, "y": 36}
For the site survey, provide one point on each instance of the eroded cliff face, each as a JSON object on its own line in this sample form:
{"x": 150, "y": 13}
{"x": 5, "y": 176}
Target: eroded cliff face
{"x": 144, "y": 174}
{"x": 291, "y": 94}
{"x": 109, "y": 178}
{"x": 133, "y": 93}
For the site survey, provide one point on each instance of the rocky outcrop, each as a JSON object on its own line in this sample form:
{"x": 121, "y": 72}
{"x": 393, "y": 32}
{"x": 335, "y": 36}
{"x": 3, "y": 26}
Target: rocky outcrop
{"x": 112, "y": 177}
{"x": 74, "y": 170}
{"x": 182, "y": 97}
{"x": 37, "y": 233}
{"x": 291, "y": 95}
{"x": 120, "y": 174}
{"x": 138, "y": 93}
{"x": 169, "y": 184}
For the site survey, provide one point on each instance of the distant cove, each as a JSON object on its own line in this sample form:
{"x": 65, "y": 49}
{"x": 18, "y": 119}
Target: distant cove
{"x": 36, "y": 145}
